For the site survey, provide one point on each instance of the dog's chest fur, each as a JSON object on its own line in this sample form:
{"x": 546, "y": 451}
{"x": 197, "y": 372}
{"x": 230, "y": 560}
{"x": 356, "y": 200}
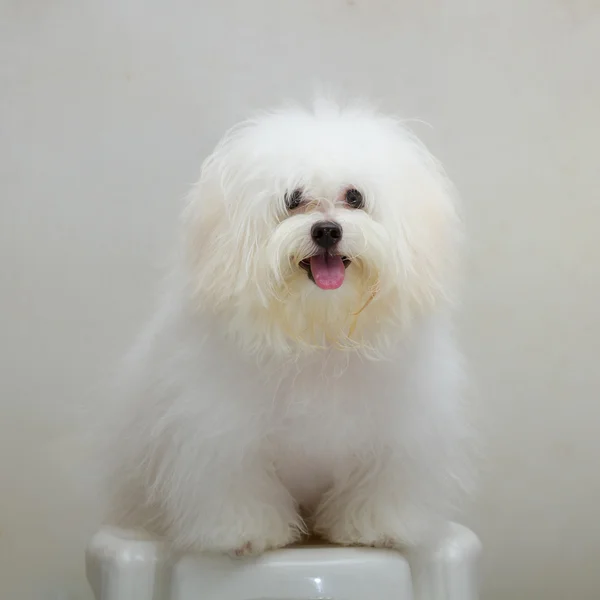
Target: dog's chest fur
{"x": 324, "y": 420}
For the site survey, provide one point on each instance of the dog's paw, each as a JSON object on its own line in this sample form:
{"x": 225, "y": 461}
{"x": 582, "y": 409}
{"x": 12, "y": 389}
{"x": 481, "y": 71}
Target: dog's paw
{"x": 352, "y": 536}
{"x": 243, "y": 551}
{"x": 258, "y": 545}
{"x": 376, "y": 524}
{"x": 241, "y": 531}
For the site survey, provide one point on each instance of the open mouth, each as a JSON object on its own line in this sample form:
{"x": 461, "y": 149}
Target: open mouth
{"x": 325, "y": 270}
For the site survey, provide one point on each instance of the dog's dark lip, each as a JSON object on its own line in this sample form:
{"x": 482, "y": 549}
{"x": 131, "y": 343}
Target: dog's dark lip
{"x": 305, "y": 264}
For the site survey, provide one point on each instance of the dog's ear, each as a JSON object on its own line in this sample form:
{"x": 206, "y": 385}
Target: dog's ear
{"x": 209, "y": 244}
{"x": 433, "y": 230}
{"x": 426, "y": 215}
{"x": 218, "y": 244}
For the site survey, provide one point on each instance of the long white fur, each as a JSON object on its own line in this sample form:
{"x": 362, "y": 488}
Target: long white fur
{"x": 256, "y": 405}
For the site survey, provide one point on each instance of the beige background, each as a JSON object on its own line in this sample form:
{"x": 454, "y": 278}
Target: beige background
{"x": 106, "y": 109}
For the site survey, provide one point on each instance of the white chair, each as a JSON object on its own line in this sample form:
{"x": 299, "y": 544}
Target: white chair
{"x": 121, "y": 567}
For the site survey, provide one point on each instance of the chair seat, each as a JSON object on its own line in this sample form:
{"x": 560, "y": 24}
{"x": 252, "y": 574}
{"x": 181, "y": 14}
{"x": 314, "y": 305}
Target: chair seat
{"x": 122, "y": 566}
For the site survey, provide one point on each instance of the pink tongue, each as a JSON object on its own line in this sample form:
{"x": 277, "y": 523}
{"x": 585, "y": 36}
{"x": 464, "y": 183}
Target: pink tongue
{"x": 327, "y": 271}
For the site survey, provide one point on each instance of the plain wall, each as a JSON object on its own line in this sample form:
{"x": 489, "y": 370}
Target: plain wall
{"x": 106, "y": 110}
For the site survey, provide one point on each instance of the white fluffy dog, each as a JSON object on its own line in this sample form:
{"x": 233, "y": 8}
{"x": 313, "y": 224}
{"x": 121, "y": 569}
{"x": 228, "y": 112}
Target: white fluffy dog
{"x": 301, "y": 373}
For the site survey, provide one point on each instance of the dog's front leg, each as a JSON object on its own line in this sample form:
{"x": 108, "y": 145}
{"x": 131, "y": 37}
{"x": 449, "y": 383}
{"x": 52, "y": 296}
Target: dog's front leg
{"x": 380, "y": 502}
{"x": 231, "y": 505}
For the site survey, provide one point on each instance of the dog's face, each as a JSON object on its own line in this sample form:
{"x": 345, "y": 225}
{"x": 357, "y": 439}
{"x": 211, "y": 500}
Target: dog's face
{"x": 318, "y": 229}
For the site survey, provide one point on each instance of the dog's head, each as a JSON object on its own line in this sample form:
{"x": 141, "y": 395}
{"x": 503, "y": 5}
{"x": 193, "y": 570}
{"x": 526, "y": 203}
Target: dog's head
{"x": 333, "y": 227}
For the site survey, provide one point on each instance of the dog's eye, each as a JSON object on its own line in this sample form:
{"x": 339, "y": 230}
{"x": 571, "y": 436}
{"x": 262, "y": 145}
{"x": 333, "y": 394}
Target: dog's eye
{"x": 354, "y": 198}
{"x": 293, "y": 200}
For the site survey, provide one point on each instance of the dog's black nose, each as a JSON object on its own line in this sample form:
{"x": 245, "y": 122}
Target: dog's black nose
{"x": 326, "y": 234}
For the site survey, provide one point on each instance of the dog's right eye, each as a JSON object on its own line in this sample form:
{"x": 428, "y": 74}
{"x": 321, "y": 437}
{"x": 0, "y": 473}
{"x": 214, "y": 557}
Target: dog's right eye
{"x": 294, "y": 199}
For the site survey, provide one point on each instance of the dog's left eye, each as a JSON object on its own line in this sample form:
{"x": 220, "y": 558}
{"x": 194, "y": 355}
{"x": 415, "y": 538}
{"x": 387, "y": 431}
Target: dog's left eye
{"x": 354, "y": 198}
{"x": 294, "y": 199}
